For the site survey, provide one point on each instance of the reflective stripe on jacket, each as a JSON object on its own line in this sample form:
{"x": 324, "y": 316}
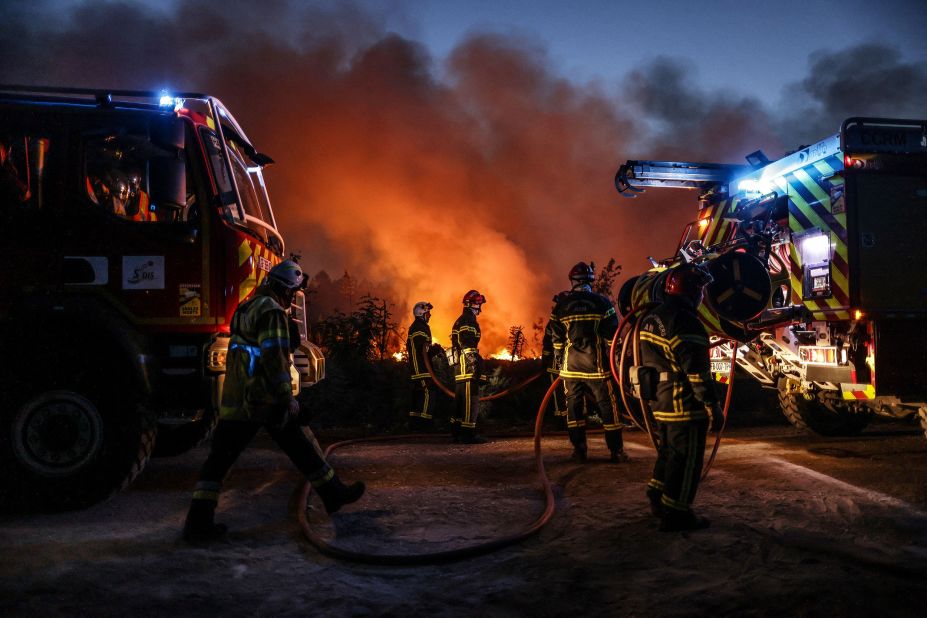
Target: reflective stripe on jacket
{"x": 465, "y": 337}
{"x": 548, "y": 358}
{"x": 257, "y": 378}
{"x": 674, "y": 341}
{"x": 417, "y": 344}
{"x": 582, "y": 325}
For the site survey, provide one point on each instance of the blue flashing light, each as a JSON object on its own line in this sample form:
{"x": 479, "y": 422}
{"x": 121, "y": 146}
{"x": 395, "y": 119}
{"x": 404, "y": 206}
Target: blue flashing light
{"x": 167, "y": 100}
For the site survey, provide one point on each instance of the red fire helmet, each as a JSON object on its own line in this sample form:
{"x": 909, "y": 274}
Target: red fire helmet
{"x": 473, "y": 299}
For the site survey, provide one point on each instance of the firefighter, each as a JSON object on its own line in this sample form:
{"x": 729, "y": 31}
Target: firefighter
{"x": 675, "y": 344}
{"x": 468, "y": 366}
{"x": 547, "y": 362}
{"x": 111, "y": 190}
{"x": 582, "y": 325}
{"x": 424, "y": 391}
{"x": 257, "y": 393}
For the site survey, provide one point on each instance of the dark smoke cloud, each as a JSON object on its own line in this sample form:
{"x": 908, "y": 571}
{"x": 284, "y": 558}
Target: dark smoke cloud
{"x": 689, "y": 123}
{"x": 866, "y": 80}
{"x": 492, "y": 172}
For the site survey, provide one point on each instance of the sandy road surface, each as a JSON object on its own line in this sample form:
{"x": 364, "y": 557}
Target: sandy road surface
{"x": 800, "y": 527}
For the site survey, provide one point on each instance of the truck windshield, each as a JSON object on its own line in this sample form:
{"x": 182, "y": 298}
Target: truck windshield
{"x": 254, "y": 211}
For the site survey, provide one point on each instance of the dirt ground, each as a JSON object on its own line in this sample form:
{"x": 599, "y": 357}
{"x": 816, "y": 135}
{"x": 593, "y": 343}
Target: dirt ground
{"x": 786, "y": 538}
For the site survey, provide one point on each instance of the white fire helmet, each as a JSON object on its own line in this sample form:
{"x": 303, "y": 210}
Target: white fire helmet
{"x": 422, "y": 309}
{"x": 288, "y": 275}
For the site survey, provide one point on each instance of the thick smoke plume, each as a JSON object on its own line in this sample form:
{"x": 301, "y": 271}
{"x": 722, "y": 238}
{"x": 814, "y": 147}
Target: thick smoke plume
{"x": 490, "y": 172}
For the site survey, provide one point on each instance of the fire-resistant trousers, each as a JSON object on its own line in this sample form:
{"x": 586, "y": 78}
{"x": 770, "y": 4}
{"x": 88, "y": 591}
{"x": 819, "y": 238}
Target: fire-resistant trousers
{"x": 680, "y": 455}
{"x": 603, "y": 393}
{"x": 230, "y": 439}
{"x": 466, "y": 404}
{"x": 424, "y": 394}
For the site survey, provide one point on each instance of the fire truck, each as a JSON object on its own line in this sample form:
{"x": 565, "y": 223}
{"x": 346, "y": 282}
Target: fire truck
{"x": 817, "y": 259}
{"x": 135, "y": 224}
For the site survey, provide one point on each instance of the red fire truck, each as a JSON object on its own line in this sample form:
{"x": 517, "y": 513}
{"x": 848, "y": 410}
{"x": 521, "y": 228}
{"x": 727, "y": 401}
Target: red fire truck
{"x": 818, "y": 265}
{"x": 135, "y": 223}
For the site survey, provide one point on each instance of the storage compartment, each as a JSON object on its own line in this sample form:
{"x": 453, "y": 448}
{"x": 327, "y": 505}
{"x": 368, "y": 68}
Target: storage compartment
{"x": 901, "y": 358}
{"x": 889, "y": 239}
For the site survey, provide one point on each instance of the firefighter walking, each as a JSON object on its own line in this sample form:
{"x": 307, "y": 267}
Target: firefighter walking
{"x": 582, "y": 325}
{"x": 424, "y": 390}
{"x": 257, "y": 393}
{"x": 675, "y": 344}
{"x": 468, "y": 367}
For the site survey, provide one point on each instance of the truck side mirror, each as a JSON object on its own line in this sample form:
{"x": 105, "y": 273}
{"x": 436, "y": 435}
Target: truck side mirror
{"x": 167, "y": 170}
{"x": 168, "y": 181}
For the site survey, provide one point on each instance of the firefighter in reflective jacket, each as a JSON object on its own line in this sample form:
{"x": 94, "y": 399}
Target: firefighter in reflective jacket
{"x": 424, "y": 391}
{"x": 582, "y": 326}
{"x": 257, "y": 393}
{"x": 465, "y": 337}
{"x": 548, "y": 363}
{"x": 675, "y": 344}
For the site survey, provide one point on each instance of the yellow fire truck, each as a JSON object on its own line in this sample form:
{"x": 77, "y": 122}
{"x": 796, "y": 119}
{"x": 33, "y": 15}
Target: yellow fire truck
{"x": 134, "y": 224}
{"x": 817, "y": 259}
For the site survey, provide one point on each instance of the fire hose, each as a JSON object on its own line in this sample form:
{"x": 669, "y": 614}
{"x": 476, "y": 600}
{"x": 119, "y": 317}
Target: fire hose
{"x": 500, "y": 394}
{"x": 617, "y": 373}
{"x": 441, "y": 556}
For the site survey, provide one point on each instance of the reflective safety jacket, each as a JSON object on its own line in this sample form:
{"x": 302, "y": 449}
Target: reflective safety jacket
{"x": 417, "y": 343}
{"x": 465, "y": 337}
{"x": 582, "y": 325}
{"x": 257, "y": 378}
{"x": 674, "y": 342}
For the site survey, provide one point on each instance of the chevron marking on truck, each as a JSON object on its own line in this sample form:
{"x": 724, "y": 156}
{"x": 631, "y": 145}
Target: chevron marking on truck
{"x": 809, "y": 191}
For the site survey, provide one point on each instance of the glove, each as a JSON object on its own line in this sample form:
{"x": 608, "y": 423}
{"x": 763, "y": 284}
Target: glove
{"x": 716, "y": 416}
{"x": 286, "y": 414}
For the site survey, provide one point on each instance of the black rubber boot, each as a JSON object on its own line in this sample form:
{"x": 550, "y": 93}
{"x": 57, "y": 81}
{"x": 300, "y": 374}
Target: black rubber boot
{"x": 199, "y": 528}
{"x": 656, "y": 504}
{"x": 335, "y": 494}
{"x": 680, "y": 521}
{"x": 580, "y": 453}
{"x": 619, "y": 456}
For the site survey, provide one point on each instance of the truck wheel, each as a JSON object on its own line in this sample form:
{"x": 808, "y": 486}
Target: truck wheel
{"x": 71, "y": 448}
{"x": 177, "y": 436}
{"x": 813, "y": 416}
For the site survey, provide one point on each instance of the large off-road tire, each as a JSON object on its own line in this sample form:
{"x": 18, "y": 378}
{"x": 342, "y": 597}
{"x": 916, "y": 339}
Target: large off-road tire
{"x": 813, "y": 416}
{"x": 73, "y": 441}
{"x": 177, "y": 436}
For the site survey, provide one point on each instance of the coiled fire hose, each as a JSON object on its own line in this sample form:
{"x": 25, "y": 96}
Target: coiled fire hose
{"x": 500, "y": 394}
{"x": 618, "y": 372}
{"x": 441, "y": 556}
{"x": 645, "y": 426}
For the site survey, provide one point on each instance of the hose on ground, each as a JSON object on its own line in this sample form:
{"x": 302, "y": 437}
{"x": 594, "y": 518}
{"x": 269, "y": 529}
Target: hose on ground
{"x": 441, "y": 556}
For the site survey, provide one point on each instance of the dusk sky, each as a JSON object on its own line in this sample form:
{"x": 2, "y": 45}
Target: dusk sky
{"x": 754, "y": 47}
{"x": 430, "y": 147}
